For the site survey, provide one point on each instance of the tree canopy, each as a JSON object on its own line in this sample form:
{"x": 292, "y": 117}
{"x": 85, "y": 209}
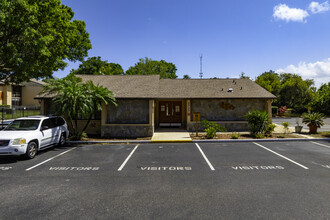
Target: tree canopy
{"x": 270, "y": 81}
{"x": 290, "y": 89}
{"x": 186, "y": 77}
{"x": 148, "y": 66}
{"x": 95, "y": 66}
{"x": 322, "y": 101}
{"x": 36, "y": 37}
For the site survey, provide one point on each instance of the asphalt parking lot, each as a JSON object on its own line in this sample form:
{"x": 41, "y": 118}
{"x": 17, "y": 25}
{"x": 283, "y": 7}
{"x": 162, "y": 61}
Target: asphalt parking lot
{"x": 264, "y": 180}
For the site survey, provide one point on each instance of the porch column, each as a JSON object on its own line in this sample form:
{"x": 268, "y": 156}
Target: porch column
{"x": 268, "y": 107}
{"x": 152, "y": 112}
{"x": 188, "y": 111}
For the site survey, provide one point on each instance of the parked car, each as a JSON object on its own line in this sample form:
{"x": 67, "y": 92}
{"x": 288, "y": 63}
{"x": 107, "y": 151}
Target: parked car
{"x": 5, "y": 123}
{"x": 26, "y": 136}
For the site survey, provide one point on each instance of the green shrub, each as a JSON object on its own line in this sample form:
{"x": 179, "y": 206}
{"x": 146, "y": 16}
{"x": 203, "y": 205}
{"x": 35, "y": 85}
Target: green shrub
{"x": 270, "y": 129}
{"x": 235, "y": 135}
{"x": 313, "y": 119}
{"x": 259, "y": 136}
{"x": 210, "y": 132}
{"x": 258, "y": 122}
{"x": 286, "y": 126}
{"x": 211, "y": 128}
{"x": 282, "y": 136}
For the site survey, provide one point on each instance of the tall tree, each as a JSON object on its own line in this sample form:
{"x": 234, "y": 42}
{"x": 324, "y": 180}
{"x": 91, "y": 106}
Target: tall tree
{"x": 186, "y": 77}
{"x": 295, "y": 92}
{"x": 290, "y": 89}
{"x": 270, "y": 81}
{"x": 322, "y": 101}
{"x": 153, "y": 67}
{"x": 74, "y": 99}
{"x": 36, "y": 37}
{"x": 95, "y": 66}
{"x": 243, "y": 76}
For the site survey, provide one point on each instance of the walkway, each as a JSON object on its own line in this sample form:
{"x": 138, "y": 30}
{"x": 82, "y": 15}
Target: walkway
{"x": 170, "y": 135}
{"x": 292, "y": 122}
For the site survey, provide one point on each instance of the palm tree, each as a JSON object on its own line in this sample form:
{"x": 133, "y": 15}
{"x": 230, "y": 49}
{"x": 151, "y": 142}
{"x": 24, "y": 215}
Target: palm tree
{"x": 313, "y": 120}
{"x": 74, "y": 99}
{"x": 97, "y": 95}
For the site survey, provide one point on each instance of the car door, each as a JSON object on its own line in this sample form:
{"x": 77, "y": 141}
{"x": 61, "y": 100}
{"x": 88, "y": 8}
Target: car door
{"x": 56, "y": 130}
{"x": 46, "y": 132}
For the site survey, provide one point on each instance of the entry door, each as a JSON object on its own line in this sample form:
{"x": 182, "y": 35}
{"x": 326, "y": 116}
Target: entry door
{"x": 170, "y": 113}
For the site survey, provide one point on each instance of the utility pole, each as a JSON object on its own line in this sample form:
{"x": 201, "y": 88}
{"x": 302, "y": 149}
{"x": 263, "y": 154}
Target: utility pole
{"x": 201, "y": 66}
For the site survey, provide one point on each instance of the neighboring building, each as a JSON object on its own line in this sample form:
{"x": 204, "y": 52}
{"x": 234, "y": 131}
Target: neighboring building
{"x": 22, "y": 94}
{"x": 146, "y": 102}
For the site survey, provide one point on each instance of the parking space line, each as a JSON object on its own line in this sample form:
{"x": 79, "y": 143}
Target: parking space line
{"x": 205, "y": 158}
{"x": 129, "y": 156}
{"x": 323, "y": 145}
{"x": 50, "y": 159}
{"x": 280, "y": 155}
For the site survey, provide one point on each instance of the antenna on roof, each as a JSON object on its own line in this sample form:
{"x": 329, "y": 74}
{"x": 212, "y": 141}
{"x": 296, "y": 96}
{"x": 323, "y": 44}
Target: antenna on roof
{"x": 201, "y": 66}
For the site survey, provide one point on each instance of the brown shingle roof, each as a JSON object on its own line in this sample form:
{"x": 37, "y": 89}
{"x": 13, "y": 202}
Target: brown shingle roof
{"x": 129, "y": 86}
{"x": 151, "y": 86}
{"x": 211, "y": 88}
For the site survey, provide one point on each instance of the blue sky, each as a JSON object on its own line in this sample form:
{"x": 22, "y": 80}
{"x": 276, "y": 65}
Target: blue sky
{"x": 234, "y": 36}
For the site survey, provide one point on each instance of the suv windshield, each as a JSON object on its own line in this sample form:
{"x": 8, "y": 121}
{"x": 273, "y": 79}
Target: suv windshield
{"x": 23, "y": 125}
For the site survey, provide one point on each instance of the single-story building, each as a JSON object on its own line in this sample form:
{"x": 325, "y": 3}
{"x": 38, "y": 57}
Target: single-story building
{"x": 22, "y": 94}
{"x": 146, "y": 102}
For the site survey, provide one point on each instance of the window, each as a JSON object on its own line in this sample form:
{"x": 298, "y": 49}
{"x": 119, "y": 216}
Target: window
{"x": 23, "y": 125}
{"x": 57, "y": 121}
{"x": 48, "y": 123}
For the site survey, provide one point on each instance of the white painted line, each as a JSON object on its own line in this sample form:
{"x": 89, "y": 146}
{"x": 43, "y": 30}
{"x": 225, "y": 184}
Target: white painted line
{"x": 280, "y": 155}
{"x": 205, "y": 158}
{"x": 50, "y": 159}
{"x": 323, "y": 145}
{"x": 129, "y": 156}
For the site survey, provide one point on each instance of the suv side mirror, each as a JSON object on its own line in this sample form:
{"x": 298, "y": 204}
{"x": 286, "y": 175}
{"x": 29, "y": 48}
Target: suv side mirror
{"x": 44, "y": 128}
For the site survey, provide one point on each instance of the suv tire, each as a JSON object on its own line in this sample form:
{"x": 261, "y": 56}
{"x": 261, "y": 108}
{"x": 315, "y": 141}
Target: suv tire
{"x": 31, "y": 150}
{"x": 62, "y": 140}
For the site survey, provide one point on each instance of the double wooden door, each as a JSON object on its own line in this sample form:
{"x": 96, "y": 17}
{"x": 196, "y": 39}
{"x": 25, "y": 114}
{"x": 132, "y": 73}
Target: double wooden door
{"x": 170, "y": 113}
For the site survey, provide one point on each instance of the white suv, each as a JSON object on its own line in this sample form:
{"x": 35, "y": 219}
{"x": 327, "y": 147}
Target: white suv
{"x": 30, "y": 134}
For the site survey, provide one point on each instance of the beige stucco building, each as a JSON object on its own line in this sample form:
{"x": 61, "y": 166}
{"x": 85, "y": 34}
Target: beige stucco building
{"x": 22, "y": 94}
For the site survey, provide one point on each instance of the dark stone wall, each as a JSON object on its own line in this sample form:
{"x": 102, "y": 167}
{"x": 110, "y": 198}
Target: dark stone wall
{"x": 225, "y": 109}
{"x": 128, "y": 112}
{"x": 126, "y": 131}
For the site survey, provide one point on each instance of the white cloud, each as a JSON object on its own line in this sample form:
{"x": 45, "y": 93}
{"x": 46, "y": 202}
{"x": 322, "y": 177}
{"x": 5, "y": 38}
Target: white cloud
{"x": 283, "y": 12}
{"x": 319, "y": 71}
{"x": 316, "y": 7}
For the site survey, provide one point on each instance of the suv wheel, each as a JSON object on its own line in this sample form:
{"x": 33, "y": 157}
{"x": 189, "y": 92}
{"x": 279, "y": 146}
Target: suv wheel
{"x": 31, "y": 150}
{"x": 62, "y": 140}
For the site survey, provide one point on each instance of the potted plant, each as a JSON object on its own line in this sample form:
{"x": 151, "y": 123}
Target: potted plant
{"x": 313, "y": 120}
{"x": 298, "y": 127}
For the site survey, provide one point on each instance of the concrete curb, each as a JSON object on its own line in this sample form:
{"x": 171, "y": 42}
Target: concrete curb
{"x": 110, "y": 142}
{"x": 171, "y": 141}
{"x": 197, "y": 141}
{"x": 262, "y": 140}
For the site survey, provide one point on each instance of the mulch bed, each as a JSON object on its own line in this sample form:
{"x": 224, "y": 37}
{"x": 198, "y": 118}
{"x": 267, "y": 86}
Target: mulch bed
{"x": 242, "y": 136}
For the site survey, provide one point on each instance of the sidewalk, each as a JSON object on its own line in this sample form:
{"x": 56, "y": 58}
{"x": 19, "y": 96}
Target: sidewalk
{"x": 280, "y": 129}
{"x": 170, "y": 135}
